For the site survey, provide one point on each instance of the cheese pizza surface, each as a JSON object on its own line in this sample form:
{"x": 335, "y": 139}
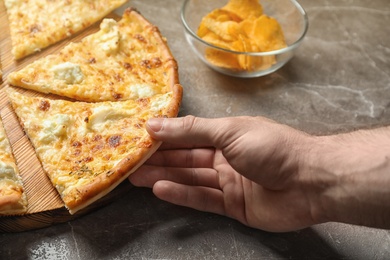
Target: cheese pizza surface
{"x": 128, "y": 59}
{"x": 36, "y": 24}
{"x": 87, "y": 149}
{"x": 12, "y": 196}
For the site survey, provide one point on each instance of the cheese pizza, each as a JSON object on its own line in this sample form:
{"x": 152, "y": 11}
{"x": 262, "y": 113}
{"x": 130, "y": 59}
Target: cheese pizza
{"x": 87, "y": 149}
{"x": 13, "y": 199}
{"x": 124, "y": 60}
{"x": 91, "y": 135}
{"x": 36, "y": 24}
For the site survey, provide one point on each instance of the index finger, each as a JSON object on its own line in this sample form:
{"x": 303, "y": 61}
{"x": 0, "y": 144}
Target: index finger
{"x": 195, "y": 131}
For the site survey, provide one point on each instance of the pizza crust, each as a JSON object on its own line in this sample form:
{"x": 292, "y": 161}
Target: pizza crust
{"x": 13, "y": 204}
{"x": 93, "y": 191}
{"x": 13, "y": 199}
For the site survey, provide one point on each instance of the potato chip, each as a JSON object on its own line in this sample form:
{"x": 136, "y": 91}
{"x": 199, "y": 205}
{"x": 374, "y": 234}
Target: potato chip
{"x": 243, "y": 45}
{"x": 247, "y": 62}
{"x": 266, "y": 31}
{"x": 223, "y": 59}
{"x": 227, "y": 31}
{"x": 244, "y": 8}
{"x": 213, "y": 39}
{"x": 220, "y": 22}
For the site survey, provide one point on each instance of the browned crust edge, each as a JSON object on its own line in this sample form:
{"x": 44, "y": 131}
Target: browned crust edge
{"x": 103, "y": 185}
{"x": 12, "y": 204}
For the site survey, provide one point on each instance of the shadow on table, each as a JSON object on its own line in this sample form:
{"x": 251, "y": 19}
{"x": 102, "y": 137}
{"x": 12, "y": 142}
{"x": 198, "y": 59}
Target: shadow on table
{"x": 141, "y": 226}
{"x": 156, "y": 229}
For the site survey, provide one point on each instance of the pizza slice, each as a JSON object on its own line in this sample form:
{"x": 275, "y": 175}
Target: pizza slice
{"x": 128, "y": 59}
{"x": 13, "y": 199}
{"x": 87, "y": 149}
{"x": 36, "y": 24}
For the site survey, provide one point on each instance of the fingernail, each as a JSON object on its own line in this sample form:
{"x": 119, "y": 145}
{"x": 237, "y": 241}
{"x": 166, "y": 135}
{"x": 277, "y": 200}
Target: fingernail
{"x": 156, "y": 124}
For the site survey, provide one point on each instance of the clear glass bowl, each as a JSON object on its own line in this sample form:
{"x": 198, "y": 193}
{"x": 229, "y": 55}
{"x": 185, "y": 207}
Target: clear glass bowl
{"x": 289, "y": 13}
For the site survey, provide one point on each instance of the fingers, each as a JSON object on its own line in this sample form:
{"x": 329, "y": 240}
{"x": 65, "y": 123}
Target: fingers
{"x": 199, "y": 198}
{"x": 147, "y": 176}
{"x": 185, "y": 158}
{"x": 193, "y": 131}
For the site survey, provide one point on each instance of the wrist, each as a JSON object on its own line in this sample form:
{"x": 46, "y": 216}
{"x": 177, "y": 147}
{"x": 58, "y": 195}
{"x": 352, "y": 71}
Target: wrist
{"x": 351, "y": 178}
{"x": 317, "y": 180}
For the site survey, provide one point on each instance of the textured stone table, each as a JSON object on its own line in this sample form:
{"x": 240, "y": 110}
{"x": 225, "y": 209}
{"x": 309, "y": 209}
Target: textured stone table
{"x": 338, "y": 81}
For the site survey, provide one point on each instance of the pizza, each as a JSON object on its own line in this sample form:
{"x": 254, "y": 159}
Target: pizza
{"x": 13, "y": 199}
{"x": 127, "y": 59}
{"x": 91, "y": 134}
{"x": 36, "y": 24}
{"x": 89, "y": 148}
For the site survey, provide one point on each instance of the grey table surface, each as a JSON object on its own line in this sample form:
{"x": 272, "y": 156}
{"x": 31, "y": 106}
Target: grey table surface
{"x": 338, "y": 81}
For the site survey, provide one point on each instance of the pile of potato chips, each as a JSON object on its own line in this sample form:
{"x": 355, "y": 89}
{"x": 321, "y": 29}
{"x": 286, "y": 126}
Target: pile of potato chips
{"x": 241, "y": 26}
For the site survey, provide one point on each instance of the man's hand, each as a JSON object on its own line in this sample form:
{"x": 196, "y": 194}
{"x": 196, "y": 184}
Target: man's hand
{"x": 244, "y": 168}
{"x": 264, "y": 174}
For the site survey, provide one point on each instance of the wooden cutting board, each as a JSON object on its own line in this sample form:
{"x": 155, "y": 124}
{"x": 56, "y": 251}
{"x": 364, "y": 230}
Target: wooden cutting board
{"x": 45, "y": 206}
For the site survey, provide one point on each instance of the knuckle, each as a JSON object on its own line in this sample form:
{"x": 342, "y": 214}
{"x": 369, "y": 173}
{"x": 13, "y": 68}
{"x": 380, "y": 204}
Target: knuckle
{"x": 188, "y": 123}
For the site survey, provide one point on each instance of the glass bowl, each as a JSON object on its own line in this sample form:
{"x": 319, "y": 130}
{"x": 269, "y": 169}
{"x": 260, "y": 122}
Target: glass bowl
{"x": 290, "y": 15}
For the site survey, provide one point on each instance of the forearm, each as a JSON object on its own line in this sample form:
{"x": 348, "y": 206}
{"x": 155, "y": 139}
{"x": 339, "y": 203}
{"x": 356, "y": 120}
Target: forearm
{"x": 353, "y": 177}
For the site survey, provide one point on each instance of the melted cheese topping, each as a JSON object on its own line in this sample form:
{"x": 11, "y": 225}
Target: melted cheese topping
{"x": 108, "y": 38}
{"x": 53, "y": 128}
{"x": 68, "y": 72}
{"x": 35, "y": 24}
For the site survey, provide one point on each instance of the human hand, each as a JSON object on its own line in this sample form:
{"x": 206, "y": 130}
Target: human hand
{"x": 245, "y": 168}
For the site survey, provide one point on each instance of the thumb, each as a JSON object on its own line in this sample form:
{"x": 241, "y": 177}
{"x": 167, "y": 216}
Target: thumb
{"x": 191, "y": 130}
